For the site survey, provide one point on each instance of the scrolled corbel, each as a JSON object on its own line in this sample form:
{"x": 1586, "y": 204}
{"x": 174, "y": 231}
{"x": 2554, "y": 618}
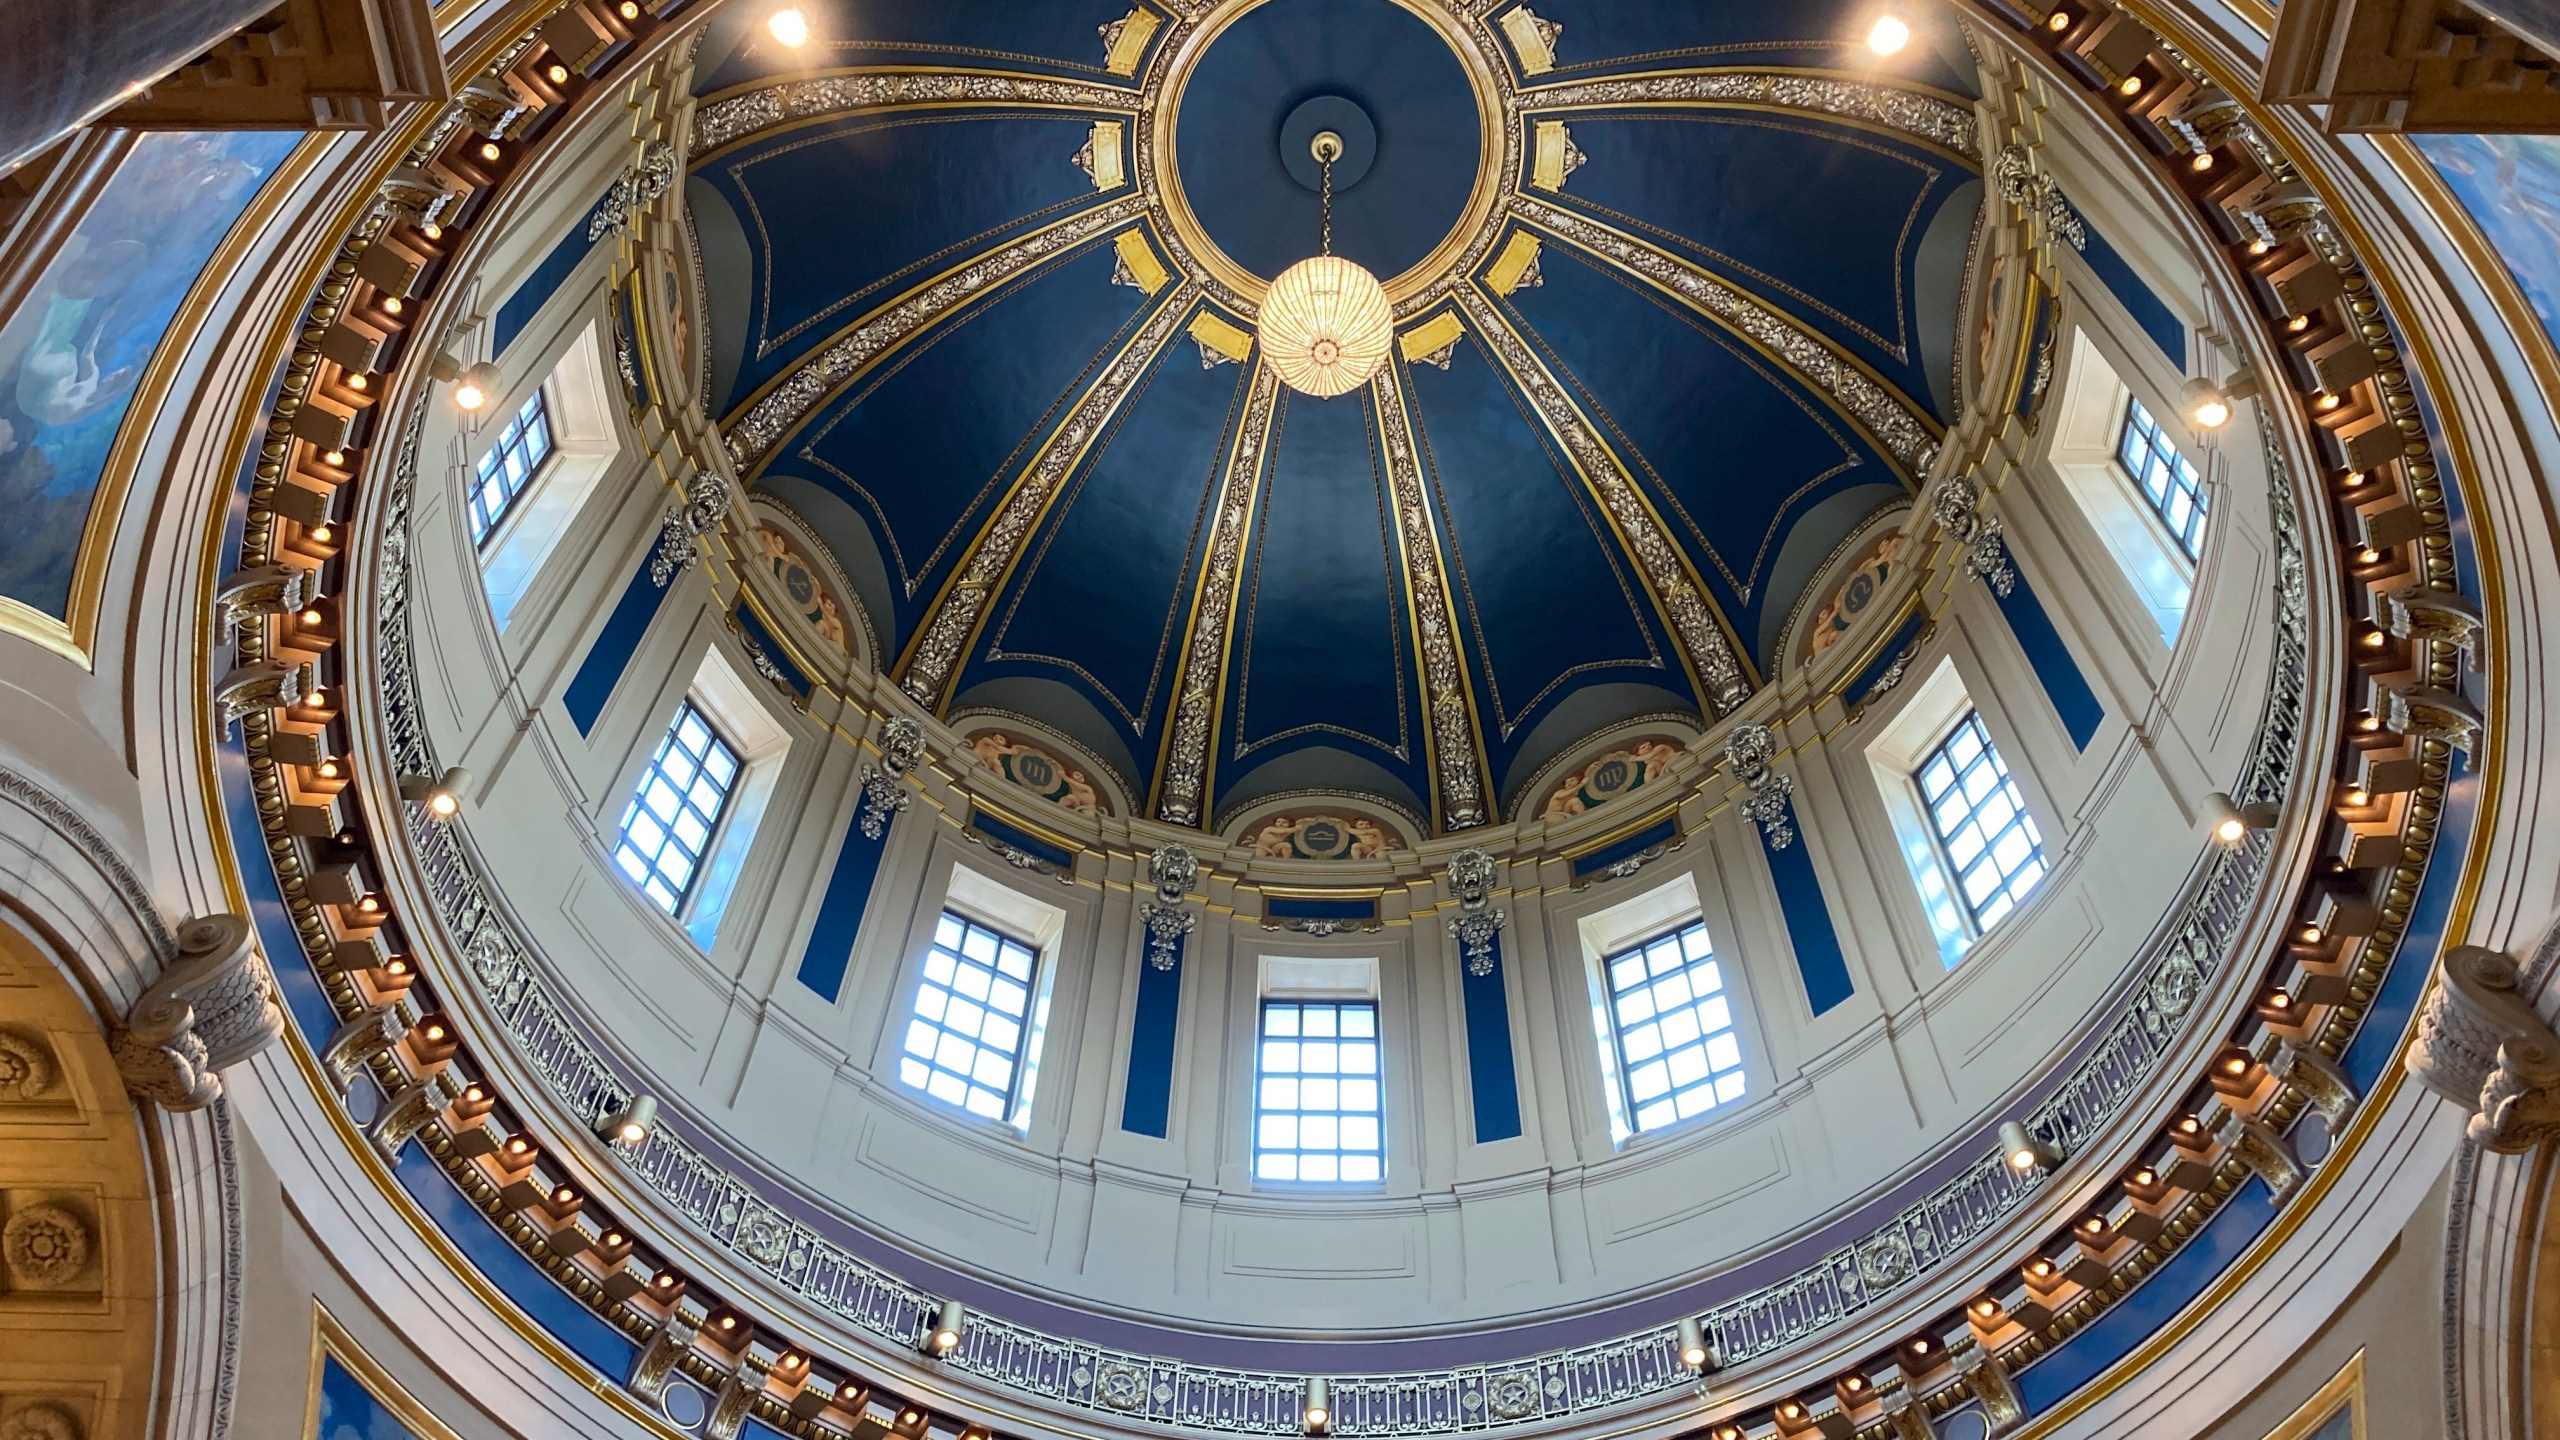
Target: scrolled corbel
{"x": 2443, "y": 616}
{"x": 264, "y": 590}
{"x": 214, "y": 1007}
{"x": 2482, "y": 1047}
{"x": 271, "y": 685}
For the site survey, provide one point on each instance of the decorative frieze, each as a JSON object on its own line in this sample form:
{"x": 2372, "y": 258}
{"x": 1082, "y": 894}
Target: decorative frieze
{"x": 1444, "y": 675}
{"x": 1204, "y": 658}
{"x": 725, "y": 121}
{"x": 1921, "y": 116}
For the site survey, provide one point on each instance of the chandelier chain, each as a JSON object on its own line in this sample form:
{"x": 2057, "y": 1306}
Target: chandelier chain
{"x": 1328, "y": 206}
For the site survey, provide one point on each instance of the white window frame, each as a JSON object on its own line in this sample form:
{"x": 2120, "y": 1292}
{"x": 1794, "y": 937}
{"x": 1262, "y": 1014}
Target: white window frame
{"x": 1935, "y": 707}
{"x": 1673, "y": 905}
{"x": 1038, "y": 925}
{"x": 2086, "y": 423}
{"x": 1317, "y": 978}
{"x": 584, "y": 446}
{"x": 725, "y": 800}
{"x": 723, "y": 695}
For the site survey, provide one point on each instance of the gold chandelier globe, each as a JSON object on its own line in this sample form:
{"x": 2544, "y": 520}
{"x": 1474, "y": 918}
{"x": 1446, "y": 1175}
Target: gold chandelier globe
{"x": 1326, "y": 326}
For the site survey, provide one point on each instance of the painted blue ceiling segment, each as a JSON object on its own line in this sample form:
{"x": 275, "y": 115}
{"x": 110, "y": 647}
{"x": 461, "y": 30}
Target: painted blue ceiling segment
{"x": 1821, "y": 221}
{"x": 1382, "y": 58}
{"x": 962, "y": 188}
{"x": 1731, "y": 456}
{"x": 892, "y": 448}
{"x": 1122, "y": 541}
{"x": 1322, "y": 653}
{"x": 1602, "y": 37}
{"x": 820, "y": 224}
{"x": 1059, "y": 37}
{"x": 1548, "y": 601}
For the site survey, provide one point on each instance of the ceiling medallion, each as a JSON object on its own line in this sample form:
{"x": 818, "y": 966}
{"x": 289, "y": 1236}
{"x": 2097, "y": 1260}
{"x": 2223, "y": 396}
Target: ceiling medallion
{"x": 1326, "y": 326}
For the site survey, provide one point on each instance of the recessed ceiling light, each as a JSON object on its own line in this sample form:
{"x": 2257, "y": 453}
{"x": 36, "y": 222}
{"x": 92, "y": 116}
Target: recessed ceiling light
{"x": 1889, "y": 34}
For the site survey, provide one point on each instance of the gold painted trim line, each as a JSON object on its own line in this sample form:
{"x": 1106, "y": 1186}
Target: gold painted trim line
{"x": 330, "y": 1341}
{"x": 732, "y": 116}
{"x": 1625, "y": 832}
{"x": 959, "y": 612}
{"x": 1906, "y": 434}
{"x": 1719, "y": 667}
{"x": 1943, "y": 121}
{"x": 2345, "y": 1391}
{"x": 1184, "y": 769}
{"x": 782, "y": 403}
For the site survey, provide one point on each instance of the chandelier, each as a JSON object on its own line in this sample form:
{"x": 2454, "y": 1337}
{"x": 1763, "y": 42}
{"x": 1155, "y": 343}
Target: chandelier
{"x": 1326, "y": 326}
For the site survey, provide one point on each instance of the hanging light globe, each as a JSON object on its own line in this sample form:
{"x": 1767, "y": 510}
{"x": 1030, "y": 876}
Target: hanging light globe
{"x": 1326, "y": 326}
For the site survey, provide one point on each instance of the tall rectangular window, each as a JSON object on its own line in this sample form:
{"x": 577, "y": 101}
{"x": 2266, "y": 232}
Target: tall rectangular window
{"x": 2165, "y": 478}
{"x": 510, "y": 466}
{"x": 1318, "y": 1115}
{"x": 1678, "y": 1055}
{"x": 964, "y": 1043}
{"x": 675, "y": 810}
{"x": 1984, "y": 833}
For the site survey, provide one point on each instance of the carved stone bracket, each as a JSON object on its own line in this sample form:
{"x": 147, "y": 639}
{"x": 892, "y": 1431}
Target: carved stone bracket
{"x": 657, "y": 1360}
{"x": 2442, "y": 616}
{"x": 214, "y": 1007}
{"x": 2262, "y": 1150}
{"x": 249, "y": 689}
{"x": 2319, "y": 1079}
{"x": 1986, "y": 558}
{"x": 706, "y": 499}
{"x": 2482, "y": 1047}
{"x": 1751, "y": 750}
{"x": 2022, "y": 185}
{"x": 409, "y": 1112}
{"x": 2432, "y": 714}
{"x": 358, "y": 1041}
{"x": 1173, "y": 870}
{"x": 634, "y": 190}
{"x": 263, "y": 590}
{"x": 884, "y": 785}
{"x": 1471, "y": 877}
{"x": 2001, "y": 1404}
{"x": 737, "y": 1400}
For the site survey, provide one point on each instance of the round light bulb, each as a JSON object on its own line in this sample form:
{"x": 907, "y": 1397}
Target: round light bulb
{"x": 1888, "y": 35}
{"x": 2129, "y": 85}
{"x": 2230, "y": 831}
{"x": 469, "y": 396}
{"x": 2213, "y": 414}
{"x": 558, "y": 73}
{"x": 788, "y": 26}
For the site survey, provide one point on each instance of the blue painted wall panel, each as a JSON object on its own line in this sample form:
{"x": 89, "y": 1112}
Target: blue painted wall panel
{"x": 1818, "y": 955}
{"x": 2064, "y": 684}
{"x": 1146, "y": 1104}
{"x": 1490, "y": 1073}
{"x": 612, "y": 652}
{"x": 2149, "y": 311}
{"x": 528, "y": 298}
{"x": 830, "y": 947}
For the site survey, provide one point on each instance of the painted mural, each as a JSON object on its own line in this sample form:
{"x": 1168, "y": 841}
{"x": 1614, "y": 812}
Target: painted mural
{"x": 76, "y": 344}
{"x": 2511, "y": 186}
{"x": 1622, "y": 771}
{"x": 805, "y": 584}
{"x": 349, "y": 1411}
{"x": 1322, "y": 837}
{"x": 1850, "y": 599}
{"x": 1036, "y": 770}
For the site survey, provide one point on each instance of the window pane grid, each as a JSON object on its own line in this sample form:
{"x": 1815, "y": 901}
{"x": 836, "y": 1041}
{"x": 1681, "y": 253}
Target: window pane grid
{"x": 2167, "y": 481}
{"x": 509, "y": 466}
{"x": 1989, "y": 841}
{"x": 1318, "y": 1115}
{"x": 1678, "y": 1055}
{"x": 676, "y": 809}
{"x": 964, "y": 1041}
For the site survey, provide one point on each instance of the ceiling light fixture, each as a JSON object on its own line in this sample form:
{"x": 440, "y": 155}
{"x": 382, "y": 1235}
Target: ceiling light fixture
{"x": 789, "y": 26}
{"x": 631, "y": 1124}
{"x": 2231, "y": 822}
{"x": 2023, "y": 1151}
{"x": 441, "y": 794}
{"x": 1693, "y": 1343}
{"x": 944, "y": 1336}
{"x": 1316, "y": 1408}
{"x": 1889, "y": 34}
{"x": 1326, "y": 326}
{"x": 2209, "y": 405}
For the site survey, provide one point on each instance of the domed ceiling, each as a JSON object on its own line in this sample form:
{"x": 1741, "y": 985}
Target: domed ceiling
{"x": 1676, "y": 290}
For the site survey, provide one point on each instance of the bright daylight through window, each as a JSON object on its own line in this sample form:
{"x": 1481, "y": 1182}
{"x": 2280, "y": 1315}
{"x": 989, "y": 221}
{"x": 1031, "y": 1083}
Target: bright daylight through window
{"x": 676, "y": 809}
{"x": 510, "y": 466}
{"x": 1317, "y": 1112}
{"x": 1678, "y": 1056}
{"x": 1984, "y": 833}
{"x": 2167, "y": 481}
{"x": 973, "y": 1007}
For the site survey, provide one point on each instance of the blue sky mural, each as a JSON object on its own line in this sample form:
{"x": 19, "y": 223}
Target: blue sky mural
{"x": 2511, "y": 186}
{"x": 77, "y": 343}
{"x": 348, "y": 1411}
